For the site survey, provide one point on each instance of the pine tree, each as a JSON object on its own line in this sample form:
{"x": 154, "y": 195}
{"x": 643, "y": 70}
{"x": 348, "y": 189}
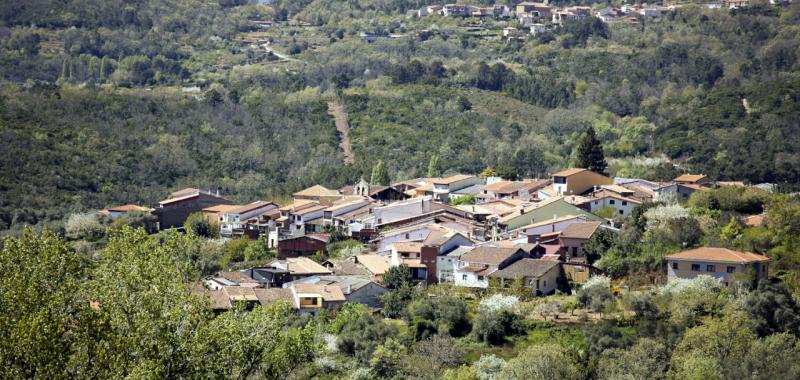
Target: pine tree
{"x": 590, "y": 153}
{"x": 103, "y": 65}
{"x": 380, "y": 176}
{"x": 63, "y": 76}
{"x": 433, "y": 167}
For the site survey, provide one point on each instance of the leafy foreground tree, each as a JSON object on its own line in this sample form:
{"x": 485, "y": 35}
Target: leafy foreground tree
{"x": 130, "y": 315}
{"x": 726, "y": 348}
{"x": 590, "y": 152}
{"x": 647, "y": 359}
{"x": 772, "y": 309}
{"x": 543, "y": 362}
{"x": 40, "y": 303}
{"x": 397, "y": 276}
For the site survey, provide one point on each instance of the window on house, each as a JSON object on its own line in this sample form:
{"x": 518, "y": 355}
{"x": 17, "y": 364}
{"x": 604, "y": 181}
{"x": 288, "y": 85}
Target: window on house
{"x": 480, "y": 278}
{"x": 674, "y": 265}
{"x": 695, "y": 267}
{"x": 710, "y": 268}
{"x": 407, "y": 235}
{"x": 731, "y": 269}
{"x": 621, "y": 212}
{"x": 611, "y": 201}
{"x": 574, "y": 251}
{"x": 537, "y": 284}
{"x": 560, "y": 179}
{"x": 464, "y": 277}
{"x": 545, "y": 283}
{"x": 624, "y": 203}
{"x": 763, "y": 268}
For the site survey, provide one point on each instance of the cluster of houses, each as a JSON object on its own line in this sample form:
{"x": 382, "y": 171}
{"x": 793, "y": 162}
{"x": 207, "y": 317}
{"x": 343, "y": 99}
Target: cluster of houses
{"x": 537, "y": 17}
{"x": 530, "y": 230}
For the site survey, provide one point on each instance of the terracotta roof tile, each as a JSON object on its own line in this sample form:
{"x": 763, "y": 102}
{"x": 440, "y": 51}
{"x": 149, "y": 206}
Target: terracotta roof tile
{"x": 525, "y": 268}
{"x": 330, "y": 293}
{"x": 451, "y": 179}
{"x": 569, "y": 172}
{"x": 719, "y": 255}
{"x": 488, "y": 255}
{"x": 580, "y": 230}
{"x": 689, "y": 178}
{"x": 316, "y": 191}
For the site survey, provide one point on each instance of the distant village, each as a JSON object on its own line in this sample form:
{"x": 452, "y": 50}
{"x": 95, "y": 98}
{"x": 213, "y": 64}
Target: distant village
{"x": 530, "y": 230}
{"x": 537, "y": 17}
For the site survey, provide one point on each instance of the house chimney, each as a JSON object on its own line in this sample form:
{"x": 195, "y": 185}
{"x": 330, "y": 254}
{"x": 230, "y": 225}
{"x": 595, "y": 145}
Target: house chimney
{"x": 349, "y": 288}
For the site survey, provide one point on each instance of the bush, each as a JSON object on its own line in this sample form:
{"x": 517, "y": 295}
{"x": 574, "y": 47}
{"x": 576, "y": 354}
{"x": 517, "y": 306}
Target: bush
{"x": 396, "y": 277}
{"x": 494, "y": 327}
{"x": 595, "y": 293}
{"x": 447, "y": 315}
{"x": 197, "y": 225}
{"x": 360, "y": 337}
{"x": 432, "y": 356}
{"x": 84, "y": 226}
{"x": 489, "y": 366}
{"x": 543, "y": 362}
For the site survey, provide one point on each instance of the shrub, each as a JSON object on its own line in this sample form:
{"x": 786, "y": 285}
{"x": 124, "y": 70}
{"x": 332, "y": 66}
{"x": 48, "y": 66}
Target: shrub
{"x": 489, "y": 366}
{"x": 196, "y": 224}
{"x": 543, "y": 362}
{"x": 595, "y": 293}
{"x": 84, "y": 226}
{"x": 494, "y": 327}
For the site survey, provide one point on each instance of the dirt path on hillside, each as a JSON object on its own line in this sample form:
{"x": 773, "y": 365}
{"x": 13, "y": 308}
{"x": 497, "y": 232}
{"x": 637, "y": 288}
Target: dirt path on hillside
{"x": 336, "y": 109}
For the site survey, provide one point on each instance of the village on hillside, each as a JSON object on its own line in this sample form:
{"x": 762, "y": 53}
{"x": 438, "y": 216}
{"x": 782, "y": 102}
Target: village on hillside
{"x": 507, "y": 22}
{"x": 461, "y": 230}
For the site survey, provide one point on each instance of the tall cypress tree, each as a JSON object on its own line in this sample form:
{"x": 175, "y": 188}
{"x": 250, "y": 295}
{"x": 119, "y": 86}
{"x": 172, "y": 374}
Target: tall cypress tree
{"x": 590, "y": 153}
{"x": 433, "y": 167}
{"x": 380, "y": 175}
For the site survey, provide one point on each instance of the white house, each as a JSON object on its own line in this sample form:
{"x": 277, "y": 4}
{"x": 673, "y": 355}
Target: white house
{"x": 474, "y": 267}
{"x": 442, "y": 187}
{"x": 342, "y": 208}
{"x": 553, "y": 225}
{"x": 358, "y": 289}
{"x": 537, "y": 29}
{"x": 446, "y": 265}
{"x": 294, "y": 216}
{"x": 238, "y": 217}
{"x": 622, "y": 206}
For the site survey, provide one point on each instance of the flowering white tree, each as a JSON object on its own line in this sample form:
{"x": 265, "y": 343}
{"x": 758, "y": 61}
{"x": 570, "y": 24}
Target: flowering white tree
{"x": 595, "y": 293}
{"x": 598, "y": 281}
{"x": 84, "y": 226}
{"x": 499, "y": 302}
{"x": 659, "y": 216}
{"x": 702, "y": 284}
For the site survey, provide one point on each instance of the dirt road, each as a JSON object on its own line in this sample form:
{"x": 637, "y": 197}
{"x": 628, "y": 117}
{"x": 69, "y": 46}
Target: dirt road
{"x": 336, "y": 109}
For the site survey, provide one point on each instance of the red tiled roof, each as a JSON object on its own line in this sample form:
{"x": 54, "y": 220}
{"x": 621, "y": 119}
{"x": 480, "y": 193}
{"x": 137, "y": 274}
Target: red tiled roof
{"x": 719, "y": 255}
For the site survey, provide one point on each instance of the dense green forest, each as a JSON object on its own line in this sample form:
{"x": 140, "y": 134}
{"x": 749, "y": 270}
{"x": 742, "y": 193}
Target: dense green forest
{"x": 106, "y": 102}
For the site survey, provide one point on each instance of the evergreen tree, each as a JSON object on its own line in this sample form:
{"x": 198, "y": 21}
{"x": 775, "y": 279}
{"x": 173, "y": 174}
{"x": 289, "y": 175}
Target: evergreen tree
{"x": 380, "y": 176}
{"x": 63, "y": 76}
{"x": 103, "y": 67}
{"x": 590, "y": 153}
{"x": 433, "y": 167}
